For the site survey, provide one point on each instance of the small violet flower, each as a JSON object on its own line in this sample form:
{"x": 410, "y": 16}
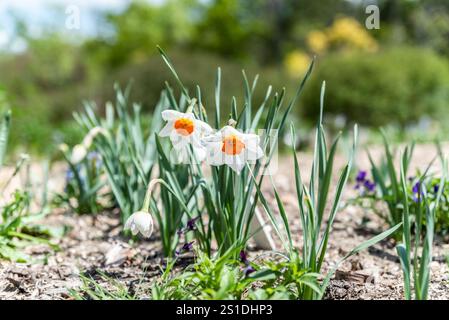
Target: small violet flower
{"x": 436, "y": 188}
{"x": 243, "y": 257}
{"x": 416, "y": 189}
{"x": 362, "y": 181}
{"x": 190, "y": 226}
{"x": 248, "y": 270}
{"x": 369, "y": 186}
{"x": 361, "y": 176}
{"x": 185, "y": 248}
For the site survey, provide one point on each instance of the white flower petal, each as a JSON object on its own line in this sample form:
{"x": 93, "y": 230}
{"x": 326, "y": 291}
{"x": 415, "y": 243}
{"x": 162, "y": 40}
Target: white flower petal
{"x": 172, "y": 115}
{"x": 250, "y": 138}
{"x": 236, "y": 164}
{"x": 253, "y": 151}
{"x": 200, "y": 153}
{"x": 178, "y": 140}
{"x": 182, "y": 155}
{"x": 228, "y": 130}
{"x": 212, "y": 139}
{"x": 253, "y": 155}
{"x": 204, "y": 127}
{"x": 214, "y": 156}
{"x": 165, "y": 132}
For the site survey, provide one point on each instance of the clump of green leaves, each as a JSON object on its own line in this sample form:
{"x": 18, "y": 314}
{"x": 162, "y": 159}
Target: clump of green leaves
{"x": 386, "y": 188}
{"x": 91, "y": 289}
{"x": 432, "y": 185}
{"x": 127, "y": 150}
{"x": 215, "y": 278}
{"x": 225, "y": 277}
{"x": 229, "y": 199}
{"x": 387, "y": 178}
{"x": 287, "y": 279}
{"x": 415, "y": 251}
{"x": 84, "y": 185}
{"x": 17, "y": 227}
{"x": 312, "y": 202}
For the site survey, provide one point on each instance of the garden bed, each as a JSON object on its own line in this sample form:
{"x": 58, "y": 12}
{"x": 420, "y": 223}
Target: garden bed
{"x": 94, "y": 245}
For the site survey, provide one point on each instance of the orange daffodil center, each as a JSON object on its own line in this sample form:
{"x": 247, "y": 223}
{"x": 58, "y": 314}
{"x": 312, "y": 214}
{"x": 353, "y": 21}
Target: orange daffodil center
{"x": 184, "y": 126}
{"x": 232, "y": 148}
{"x": 232, "y": 145}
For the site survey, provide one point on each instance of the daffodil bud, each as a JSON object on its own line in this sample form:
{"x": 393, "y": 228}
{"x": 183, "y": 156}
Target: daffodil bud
{"x": 232, "y": 123}
{"x": 89, "y": 138}
{"x": 79, "y": 152}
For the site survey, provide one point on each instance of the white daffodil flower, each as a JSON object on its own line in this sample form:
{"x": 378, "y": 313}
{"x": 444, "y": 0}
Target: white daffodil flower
{"x": 232, "y": 148}
{"x": 184, "y": 130}
{"x": 140, "y": 221}
{"x": 79, "y": 152}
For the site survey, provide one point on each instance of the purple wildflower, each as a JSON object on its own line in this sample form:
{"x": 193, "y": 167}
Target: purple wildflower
{"x": 243, "y": 257}
{"x": 248, "y": 270}
{"x": 191, "y": 224}
{"x": 416, "y": 187}
{"x": 436, "y": 188}
{"x": 361, "y": 176}
{"x": 417, "y": 191}
{"x": 369, "y": 186}
{"x": 362, "y": 181}
{"x": 185, "y": 248}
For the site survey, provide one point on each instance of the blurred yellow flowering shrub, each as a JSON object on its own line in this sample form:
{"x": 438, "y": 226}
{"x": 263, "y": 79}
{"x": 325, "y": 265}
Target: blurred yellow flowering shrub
{"x": 317, "y": 41}
{"x": 296, "y": 63}
{"x": 345, "y": 33}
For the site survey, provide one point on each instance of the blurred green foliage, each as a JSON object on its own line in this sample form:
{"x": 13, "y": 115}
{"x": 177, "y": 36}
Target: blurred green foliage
{"x": 398, "y": 86}
{"x": 49, "y": 80}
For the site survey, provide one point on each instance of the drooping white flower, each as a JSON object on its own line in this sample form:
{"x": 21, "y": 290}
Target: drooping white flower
{"x": 79, "y": 152}
{"x": 184, "y": 130}
{"x": 140, "y": 221}
{"x": 90, "y": 136}
{"x": 232, "y": 148}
